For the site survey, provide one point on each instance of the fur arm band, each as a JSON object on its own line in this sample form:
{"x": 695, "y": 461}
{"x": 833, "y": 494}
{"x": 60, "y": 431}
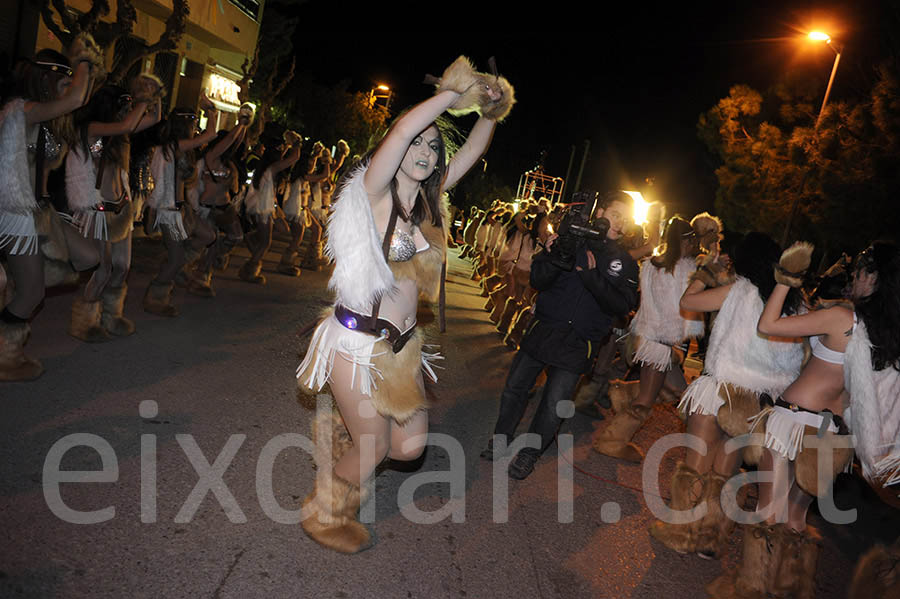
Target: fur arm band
{"x": 794, "y": 262}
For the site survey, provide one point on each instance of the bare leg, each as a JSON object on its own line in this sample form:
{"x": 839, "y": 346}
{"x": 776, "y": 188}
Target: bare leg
{"x": 120, "y": 258}
{"x": 798, "y": 505}
{"x": 371, "y": 432}
{"x": 84, "y": 253}
{"x": 706, "y": 428}
{"x": 174, "y": 258}
{"x": 773, "y": 496}
{"x": 28, "y": 273}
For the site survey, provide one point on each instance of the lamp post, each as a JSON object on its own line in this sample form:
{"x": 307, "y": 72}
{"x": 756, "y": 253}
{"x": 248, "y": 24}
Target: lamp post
{"x": 816, "y": 36}
{"x": 819, "y": 36}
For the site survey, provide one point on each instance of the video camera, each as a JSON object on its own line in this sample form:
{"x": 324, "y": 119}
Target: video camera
{"x": 577, "y": 227}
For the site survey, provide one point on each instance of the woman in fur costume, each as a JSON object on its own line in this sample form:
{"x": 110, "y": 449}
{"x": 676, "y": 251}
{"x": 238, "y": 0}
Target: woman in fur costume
{"x": 216, "y": 180}
{"x": 35, "y": 130}
{"x": 297, "y": 212}
{"x": 386, "y": 235}
{"x": 740, "y": 366}
{"x": 780, "y": 553}
{"x": 173, "y": 169}
{"x": 260, "y": 203}
{"x": 658, "y": 326}
{"x": 98, "y": 192}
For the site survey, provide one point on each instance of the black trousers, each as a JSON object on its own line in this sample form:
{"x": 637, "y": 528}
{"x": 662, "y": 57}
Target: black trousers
{"x": 523, "y": 373}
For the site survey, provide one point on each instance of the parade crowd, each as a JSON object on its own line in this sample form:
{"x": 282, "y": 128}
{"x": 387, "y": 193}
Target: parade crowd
{"x": 800, "y": 358}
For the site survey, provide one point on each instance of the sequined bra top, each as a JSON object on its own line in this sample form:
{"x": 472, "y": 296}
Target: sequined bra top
{"x": 52, "y": 148}
{"x": 403, "y": 247}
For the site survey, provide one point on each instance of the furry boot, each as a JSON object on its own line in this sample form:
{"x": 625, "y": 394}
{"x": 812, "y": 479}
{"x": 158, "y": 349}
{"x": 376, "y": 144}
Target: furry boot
{"x": 753, "y": 577}
{"x": 331, "y": 509}
{"x": 715, "y": 527}
{"x": 622, "y": 394}
{"x": 314, "y": 259}
{"x": 510, "y": 310}
{"x": 250, "y": 272}
{"x": 286, "y": 265}
{"x": 158, "y": 299}
{"x": 200, "y": 284}
{"x": 85, "y": 323}
{"x": 113, "y": 304}
{"x": 499, "y": 304}
{"x": 615, "y": 439}
{"x": 795, "y": 577}
{"x": 688, "y": 486}
{"x": 877, "y": 574}
{"x": 14, "y": 364}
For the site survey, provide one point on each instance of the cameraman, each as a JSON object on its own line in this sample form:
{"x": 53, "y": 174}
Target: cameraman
{"x": 574, "y": 312}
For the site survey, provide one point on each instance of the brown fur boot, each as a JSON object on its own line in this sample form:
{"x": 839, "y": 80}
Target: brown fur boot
{"x": 158, "y": 299}
{"x": 498, "y": 299}
{"x": 331, "y": 508}
{"x": 615, "y": 439}
{"x": 517, "y": 330}
{"x": 201, "y": 284}
{"x": 14, "y": 364}
{"x": 713, "y": 530}
{"x": 687, "y": 489}
{"x": 752, "y": 578}
{"x": 877, "y": 574}
{"x": 622, "y": 394}
{"x": 286, "y": 265}
{"x": 509, "y": 312}
{"x": 250, "y": 272}
{"x": 795, "y": 577}
{"x": 113, "y": 304}
{"x": 85, "y": 323}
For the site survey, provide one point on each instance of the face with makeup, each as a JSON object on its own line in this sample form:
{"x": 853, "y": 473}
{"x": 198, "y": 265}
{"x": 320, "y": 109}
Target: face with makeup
{"x": 422, "y": 155}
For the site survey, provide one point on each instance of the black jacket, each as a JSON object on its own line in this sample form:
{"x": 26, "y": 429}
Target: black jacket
{"x": 575, "y": 310}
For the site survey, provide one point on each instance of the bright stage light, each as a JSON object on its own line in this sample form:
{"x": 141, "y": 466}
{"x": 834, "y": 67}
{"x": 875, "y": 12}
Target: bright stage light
{"x": 641, "y": 206}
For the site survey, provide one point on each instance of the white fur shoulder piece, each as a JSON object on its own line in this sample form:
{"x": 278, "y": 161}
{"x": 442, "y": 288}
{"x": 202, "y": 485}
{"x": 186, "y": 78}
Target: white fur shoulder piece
{"x": 874, "y": 410}
{"x": 16, "y": 192}
{"x": 361, "y": 274}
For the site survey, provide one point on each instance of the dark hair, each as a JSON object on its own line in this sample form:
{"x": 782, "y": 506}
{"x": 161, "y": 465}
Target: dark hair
{"x": 676, "y": 229}
{"x": 606, "y": 201}
{"x": 38, "y": 82}
{"x": 269, "y": 157}
{"x": 754, "y": 258}
{"x": 881, "y": 310}
{"x": 428, "y": 203}
{"x": 104, "y": 107}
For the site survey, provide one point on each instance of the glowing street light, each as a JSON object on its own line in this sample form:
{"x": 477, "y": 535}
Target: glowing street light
{"x": 820, "y": 36}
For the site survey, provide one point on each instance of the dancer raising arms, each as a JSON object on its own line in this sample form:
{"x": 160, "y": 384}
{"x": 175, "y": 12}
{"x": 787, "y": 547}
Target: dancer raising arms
{"x": 35, "y": 122}
{"x": 386, "y": 236}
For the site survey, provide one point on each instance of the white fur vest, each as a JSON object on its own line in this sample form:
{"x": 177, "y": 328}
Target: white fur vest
{"x": 739, "y": 355}
{"x": 16, "y": 191}
{"x": 659, "y": 317}
{"x": 262, "y": 201}
{"x": 81, "y": 180}
{"x": 874, "y": 410}
{"x": 361, "y": 274}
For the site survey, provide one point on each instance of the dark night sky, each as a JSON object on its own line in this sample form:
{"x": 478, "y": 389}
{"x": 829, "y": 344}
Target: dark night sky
{"x": 634, "y": 85}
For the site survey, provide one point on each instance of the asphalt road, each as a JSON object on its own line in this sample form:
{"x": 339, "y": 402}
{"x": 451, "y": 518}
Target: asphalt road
{"x": 212, "y": 392}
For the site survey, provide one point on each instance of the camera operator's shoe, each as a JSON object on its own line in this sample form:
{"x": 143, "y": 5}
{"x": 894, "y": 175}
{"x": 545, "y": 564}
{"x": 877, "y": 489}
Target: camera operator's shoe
{"x": 523, "y": 465}
{"x": 615, "y": 439}
{"x": 488, "y": 453}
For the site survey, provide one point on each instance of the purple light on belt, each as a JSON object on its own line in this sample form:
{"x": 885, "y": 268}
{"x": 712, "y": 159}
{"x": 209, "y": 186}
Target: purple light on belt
{"x": 351, "y": 323}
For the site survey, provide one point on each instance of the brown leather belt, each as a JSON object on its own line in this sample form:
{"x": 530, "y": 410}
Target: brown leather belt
{"x": 373, "y": 326}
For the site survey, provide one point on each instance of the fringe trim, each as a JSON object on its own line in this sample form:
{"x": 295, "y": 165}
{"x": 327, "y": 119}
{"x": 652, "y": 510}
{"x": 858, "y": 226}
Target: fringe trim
{"x": 785, "y": 430}
{"x": 91, "y": 224}
{"x": 654, "y": 354}
{"x": 172, "y": 222}
{"x": 888, "y": 468}
{"x": 19, "y": 233}
{"x": 702, "y": 397}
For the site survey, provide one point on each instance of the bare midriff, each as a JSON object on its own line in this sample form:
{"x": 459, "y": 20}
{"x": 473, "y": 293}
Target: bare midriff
{"x": 818, "y": 387}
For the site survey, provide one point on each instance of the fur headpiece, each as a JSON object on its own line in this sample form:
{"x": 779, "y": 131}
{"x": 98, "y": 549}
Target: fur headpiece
{"x": 793, "y": 264}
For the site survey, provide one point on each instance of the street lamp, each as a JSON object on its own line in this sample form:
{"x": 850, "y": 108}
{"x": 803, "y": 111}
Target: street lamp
{"x": 819, "y": 36}
{"x": 379, "y": 92}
